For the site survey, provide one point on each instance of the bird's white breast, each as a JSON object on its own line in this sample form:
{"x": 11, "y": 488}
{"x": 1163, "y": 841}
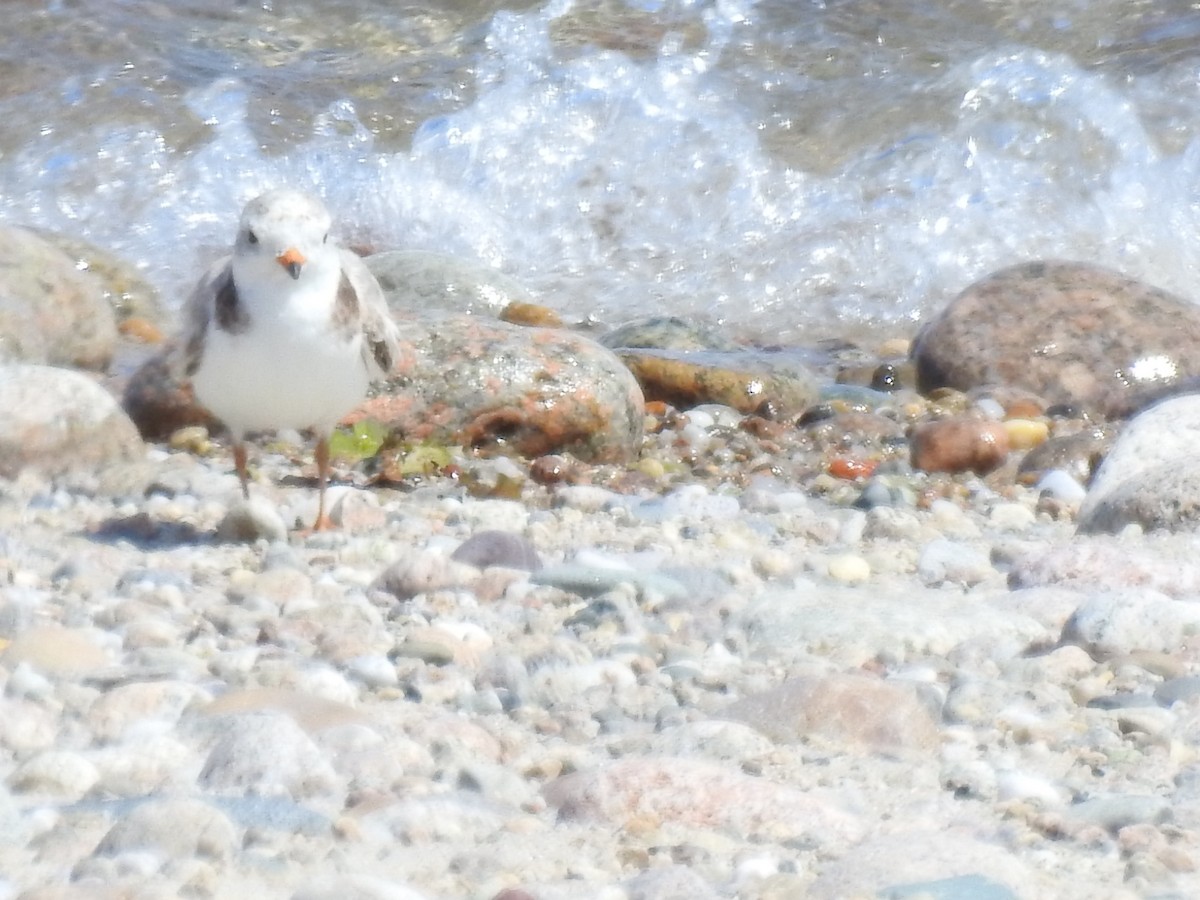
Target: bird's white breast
{"x": 289, "y": 368}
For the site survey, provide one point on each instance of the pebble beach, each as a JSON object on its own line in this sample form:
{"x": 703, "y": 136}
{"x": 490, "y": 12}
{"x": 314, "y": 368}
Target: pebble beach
{"x": 733, "y": 666}
{"x": 786, "y": 486}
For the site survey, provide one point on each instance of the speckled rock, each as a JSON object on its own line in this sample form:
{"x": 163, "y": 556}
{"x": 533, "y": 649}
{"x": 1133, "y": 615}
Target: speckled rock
{"x": 50, "y": 312}
{"x": 1150, "y": 476}
{"x": 127, "y": 292}
{"x": 491, "y": 385}
{"x": 698, "y": 794}
{"x": 744, "y": 380}
{"x": 847, "y": 710}
{"x": 265, "y": 754}
{"x": 418, "y": 281}
{"x": 1168, "y": 565}
{"x": 59, "y": 421}
{"x": 1070, "y": 332}
{"x": 468, "y": 381}
{"x": 959, "y": 445}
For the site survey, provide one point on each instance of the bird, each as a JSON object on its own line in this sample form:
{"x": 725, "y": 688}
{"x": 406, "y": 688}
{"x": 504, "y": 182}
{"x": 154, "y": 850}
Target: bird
{"x": 286, "y": 331}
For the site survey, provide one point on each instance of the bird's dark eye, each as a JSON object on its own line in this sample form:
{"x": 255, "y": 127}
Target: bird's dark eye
{"x": 251, "y": 237}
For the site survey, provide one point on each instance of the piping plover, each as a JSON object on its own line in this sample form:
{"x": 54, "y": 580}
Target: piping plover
{"x": 288, "y": 331}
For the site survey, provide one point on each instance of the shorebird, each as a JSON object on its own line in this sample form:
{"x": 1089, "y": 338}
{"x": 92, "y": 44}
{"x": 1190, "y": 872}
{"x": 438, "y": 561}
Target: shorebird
{"x": 288, "y": 331}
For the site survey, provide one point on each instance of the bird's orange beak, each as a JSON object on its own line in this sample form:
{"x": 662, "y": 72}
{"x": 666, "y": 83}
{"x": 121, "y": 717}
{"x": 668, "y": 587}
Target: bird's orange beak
{"x": 292, "y": 260}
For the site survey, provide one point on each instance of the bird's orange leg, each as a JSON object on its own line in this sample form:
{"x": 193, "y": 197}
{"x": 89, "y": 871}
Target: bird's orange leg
{"x": 323, "y": 523}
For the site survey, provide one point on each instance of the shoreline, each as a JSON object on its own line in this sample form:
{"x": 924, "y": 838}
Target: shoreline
{"x": 595, "y": 727}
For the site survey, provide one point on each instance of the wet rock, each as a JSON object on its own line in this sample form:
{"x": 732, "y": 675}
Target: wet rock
{"x": 418, "y": 281}
{"x": 847, "y": 710}
{"x": 531, "y": 315}
{"x": 1077, "y": 454}
{"x": 700, "y": 795}
{"x": 50, "y": 312}
{"x": 666, "y": 333}
{"x": 744, "y": 380}
{"x": 846, "y": 431}
{"x": 1070, "y": 332}
{"x": 1150, "y": 477}
{"x": 497, "y": 386}
{"x": 58, "y": 421}
{"x": 959, "y": 445}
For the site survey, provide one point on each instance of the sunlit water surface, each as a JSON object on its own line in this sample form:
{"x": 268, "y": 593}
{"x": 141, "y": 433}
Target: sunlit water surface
{"x": 793, "y": 169}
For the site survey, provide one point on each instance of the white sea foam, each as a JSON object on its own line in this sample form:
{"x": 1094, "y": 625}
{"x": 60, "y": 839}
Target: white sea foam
{"x": 616, "y": 184}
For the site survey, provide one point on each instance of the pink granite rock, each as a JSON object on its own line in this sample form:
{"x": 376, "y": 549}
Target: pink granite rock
{"x": 1070, "y": 332}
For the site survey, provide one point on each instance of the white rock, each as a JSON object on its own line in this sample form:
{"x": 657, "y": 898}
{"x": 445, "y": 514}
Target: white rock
{"x": 62, "y": 774}
{"x": 1135, "y": 619}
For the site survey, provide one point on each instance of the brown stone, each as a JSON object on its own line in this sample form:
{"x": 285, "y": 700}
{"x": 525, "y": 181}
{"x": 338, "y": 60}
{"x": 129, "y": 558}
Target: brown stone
{"x": 532, "y": 314}
{"x": 159, "y": 403}
{"x": 1069, "y": 332}
{"x": 959, "y": 445}
{"x": 743, "y": 380}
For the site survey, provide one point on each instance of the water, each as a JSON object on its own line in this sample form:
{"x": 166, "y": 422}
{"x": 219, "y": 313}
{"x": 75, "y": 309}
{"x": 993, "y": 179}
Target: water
{"x": 792, "y": 169}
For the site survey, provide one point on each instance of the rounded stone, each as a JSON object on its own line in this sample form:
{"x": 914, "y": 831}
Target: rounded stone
{"x": 58, "y": 421}
{"x": 959, "y": 445}
{"x": 494, "y": 386}
{"x": 1070, "y": 332}
{"x": 50, "y": 312}
{"x": 177, "y": 828}
{"x": 1150, "y": 476}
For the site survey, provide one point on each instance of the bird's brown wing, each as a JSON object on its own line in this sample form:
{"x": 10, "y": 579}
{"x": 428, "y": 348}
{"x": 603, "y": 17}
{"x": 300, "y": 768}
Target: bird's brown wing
{"x": 361, "y": 303}
{"x": 214, "y": 297}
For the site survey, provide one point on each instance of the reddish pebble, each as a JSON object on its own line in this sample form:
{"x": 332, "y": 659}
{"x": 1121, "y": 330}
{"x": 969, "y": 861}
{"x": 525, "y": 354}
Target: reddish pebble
{"x": 959, "y": 445}
{"x": 514, "y": 894}
{"x": 552, "y": 469}
{"x": 849, "y": 468}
